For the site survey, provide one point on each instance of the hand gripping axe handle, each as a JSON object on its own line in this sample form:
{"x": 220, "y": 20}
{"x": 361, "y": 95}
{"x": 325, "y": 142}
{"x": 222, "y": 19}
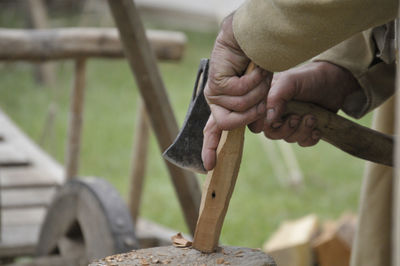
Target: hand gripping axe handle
{"x": 342, "y": 133}
{"x": 185, "y": 152}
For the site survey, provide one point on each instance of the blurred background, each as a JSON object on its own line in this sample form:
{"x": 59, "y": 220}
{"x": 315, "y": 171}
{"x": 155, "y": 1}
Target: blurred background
{"x": 265, "y": 194}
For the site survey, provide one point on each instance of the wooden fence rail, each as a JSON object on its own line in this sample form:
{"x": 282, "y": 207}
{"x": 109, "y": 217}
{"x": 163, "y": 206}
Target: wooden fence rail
{"x": 75, "y": 43}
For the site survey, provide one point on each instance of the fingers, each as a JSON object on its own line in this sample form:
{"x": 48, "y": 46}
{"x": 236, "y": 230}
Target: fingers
{"x": 257, "y": 126}
{"x": 295, "y": 129}
{"x": 237, "y": 104}
{"x": 239, "y": 98}
{"x": 282, "y": 90}
{"x": 212, "y": 134}
{"x": 228, "y": 120}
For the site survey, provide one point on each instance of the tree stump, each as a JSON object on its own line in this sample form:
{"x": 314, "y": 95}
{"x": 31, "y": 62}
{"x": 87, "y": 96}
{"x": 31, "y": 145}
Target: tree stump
{"x": 170, "y": 255}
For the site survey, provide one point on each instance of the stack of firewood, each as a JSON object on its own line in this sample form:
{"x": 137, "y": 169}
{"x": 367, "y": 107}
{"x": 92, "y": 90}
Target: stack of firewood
{"x": 307, "y": 241}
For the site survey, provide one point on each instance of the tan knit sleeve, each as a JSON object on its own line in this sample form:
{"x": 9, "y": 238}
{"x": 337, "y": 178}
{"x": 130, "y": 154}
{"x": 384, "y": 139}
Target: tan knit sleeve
{"x": 279, "y": 34}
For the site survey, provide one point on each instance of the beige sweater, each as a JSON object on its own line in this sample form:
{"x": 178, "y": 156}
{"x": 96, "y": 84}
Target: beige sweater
{"x": 279, "y": 34}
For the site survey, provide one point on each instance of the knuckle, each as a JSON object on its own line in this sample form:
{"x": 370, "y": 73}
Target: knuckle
{"x": 240, "y": 105}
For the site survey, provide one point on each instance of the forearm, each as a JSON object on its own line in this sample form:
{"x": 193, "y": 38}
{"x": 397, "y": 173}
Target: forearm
{"x": 280, "y": 34}
{"x": 372, "y": 66}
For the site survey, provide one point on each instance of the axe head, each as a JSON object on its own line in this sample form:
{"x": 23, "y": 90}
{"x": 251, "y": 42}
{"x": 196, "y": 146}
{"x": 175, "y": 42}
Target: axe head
{"x": 185, "y": 151}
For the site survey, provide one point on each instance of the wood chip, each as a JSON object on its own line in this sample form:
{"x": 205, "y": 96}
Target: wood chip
{"x": 180, "y": 242}
{"x": 144, "y": 262}
{"x": 220, "y": 260}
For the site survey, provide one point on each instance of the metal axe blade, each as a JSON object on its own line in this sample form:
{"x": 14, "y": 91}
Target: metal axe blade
{"x": 185, "y": 151}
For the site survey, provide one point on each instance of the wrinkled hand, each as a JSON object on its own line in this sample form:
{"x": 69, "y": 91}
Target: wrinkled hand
{"x": 321, "y": 83}
{"x": 235, "y": 99}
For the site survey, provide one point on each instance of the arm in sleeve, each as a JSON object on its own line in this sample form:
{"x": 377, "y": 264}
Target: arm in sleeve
{"x": 279, "y": 34}
{"x": 369, "y": 56}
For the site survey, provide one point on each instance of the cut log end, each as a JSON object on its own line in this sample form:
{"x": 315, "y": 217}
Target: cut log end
{"x": 187, "y": 256}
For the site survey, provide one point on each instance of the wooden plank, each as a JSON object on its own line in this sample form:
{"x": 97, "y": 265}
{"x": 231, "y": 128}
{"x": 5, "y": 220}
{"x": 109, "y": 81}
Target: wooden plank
{"x": 29, "y": 197}
{"x": 291, "y": 243}
{"x": 10, "y": 156}
{"x": 74, "y": 43}
{"x": 23, "y": 177}
{"x": 21, "y": 142}
{"x": 19, "y": 240}
{"x": 23, "y": 216}
{"x": 144, "y": 67}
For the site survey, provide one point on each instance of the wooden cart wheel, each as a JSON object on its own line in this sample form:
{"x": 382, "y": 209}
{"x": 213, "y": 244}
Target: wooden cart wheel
{"x": 88, "y": 220}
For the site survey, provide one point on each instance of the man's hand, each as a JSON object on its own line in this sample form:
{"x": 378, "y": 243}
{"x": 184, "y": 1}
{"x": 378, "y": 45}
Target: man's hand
{"x": 235, "y": 100}
{"x": 321, "y": 83}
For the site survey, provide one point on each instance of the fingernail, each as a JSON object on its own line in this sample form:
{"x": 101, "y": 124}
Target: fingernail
{"x": 276, "y": 125}
{"x": 270, "y": 114}
{"x": 310, "y": 122}
{"x": 293, "y": 123}
{"x": 316, "y": 135}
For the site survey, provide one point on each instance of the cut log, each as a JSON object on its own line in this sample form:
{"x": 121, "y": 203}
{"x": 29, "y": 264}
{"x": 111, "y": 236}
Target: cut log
{"x": 291, "y": 244}
{"x": 63, "y": 43}
{"x": 186, "y": 256}
{"x": 333, "y": 246}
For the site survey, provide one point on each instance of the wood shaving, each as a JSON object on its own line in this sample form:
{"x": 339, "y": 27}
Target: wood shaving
{"x": 166, "y": 262}
{"x": 144, "y": 262}
{"x": 220, "y": 260}
{"x": 227, "y": 263}
{"x": 180, "y": 242}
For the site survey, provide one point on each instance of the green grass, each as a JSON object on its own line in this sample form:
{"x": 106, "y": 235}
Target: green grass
{"x": 259, "y": 203}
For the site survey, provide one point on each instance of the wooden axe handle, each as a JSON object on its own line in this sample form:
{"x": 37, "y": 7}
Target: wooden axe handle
{"x": 346, "y": 135}
{"x": 218, "y": 188}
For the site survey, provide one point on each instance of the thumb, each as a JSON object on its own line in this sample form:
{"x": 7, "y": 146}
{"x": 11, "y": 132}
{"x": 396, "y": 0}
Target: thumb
{"x": 282, "y": 90}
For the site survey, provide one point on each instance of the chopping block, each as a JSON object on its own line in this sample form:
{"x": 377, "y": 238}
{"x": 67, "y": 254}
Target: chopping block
{"x": 170, "y": 255}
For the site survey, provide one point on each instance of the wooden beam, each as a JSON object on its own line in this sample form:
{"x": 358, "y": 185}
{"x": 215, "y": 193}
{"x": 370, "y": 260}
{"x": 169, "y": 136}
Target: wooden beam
{"x": 73, "y": 43}
{"x": 75, "y": 121}
{"x": 37, "y": 19}
{"x": 139, "y": 160}
{"x": 144, "y": 67}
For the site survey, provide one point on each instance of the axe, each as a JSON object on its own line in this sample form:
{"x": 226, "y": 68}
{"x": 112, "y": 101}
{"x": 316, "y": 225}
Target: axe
{"x": 185, "y": 152}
